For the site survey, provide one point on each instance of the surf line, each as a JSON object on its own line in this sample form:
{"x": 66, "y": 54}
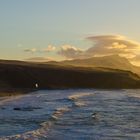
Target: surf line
{"x": 74, "y": 99}
{"x": 42, "y": 132}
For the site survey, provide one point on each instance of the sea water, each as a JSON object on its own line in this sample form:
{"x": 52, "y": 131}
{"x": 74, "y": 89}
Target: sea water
{"x": 68, "y": 114}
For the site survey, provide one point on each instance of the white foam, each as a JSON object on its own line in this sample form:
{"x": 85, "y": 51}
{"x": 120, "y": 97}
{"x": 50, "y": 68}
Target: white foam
{"x": 10, "y": 98}
{"x": 59, "y": 112}
{"x": 134, "y": 95}
{"x": 79, "y": 104}
{"x": 75, "y": 98}
{"x": 80, "y": 95}
{"x": 42, "y": 131}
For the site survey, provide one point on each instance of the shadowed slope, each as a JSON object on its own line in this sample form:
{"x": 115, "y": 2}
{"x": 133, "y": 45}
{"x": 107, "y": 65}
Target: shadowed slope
{"x": 16, "y": 74}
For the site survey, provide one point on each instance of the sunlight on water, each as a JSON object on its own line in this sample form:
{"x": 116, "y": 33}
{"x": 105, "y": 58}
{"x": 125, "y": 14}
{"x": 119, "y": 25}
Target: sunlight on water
{"x": 71, "y": 114}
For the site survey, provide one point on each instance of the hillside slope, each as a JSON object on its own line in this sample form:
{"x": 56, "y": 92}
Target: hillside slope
{"x": 112, "y": 61}
{"x": 16, "y": 74}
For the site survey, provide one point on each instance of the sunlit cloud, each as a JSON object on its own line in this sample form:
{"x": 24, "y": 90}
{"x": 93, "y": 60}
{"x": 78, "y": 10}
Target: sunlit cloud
{"x": 39, "y": 59}
{"x": 32, "y": 50}
{"x": 108, "y": 45}
{"x": 116, "y": 45}
{"x": 69, "y": 51}
{"x": 50, "y": 48}
{"x": 103, "y": 46}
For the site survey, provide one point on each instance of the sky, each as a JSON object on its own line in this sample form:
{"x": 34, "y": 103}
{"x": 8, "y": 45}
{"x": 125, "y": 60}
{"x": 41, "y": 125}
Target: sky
{"x": 68, "y": 29}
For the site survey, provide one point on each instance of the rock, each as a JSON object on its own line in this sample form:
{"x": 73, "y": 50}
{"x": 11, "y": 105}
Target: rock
{"x": 94, "y": 115}
{"x": 17, "y": 108}
{"x": 3, "y": 108}
{"x": 26, "y": 108}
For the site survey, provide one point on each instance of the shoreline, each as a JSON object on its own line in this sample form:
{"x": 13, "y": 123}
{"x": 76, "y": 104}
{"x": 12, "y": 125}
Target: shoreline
{"x": 14, "y": 92}
{"x": 24, "y": 91}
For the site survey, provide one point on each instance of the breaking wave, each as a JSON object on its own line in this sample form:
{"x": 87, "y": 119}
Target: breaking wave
{"x": 71, "y": 114}
{"x": 42, "y": 131}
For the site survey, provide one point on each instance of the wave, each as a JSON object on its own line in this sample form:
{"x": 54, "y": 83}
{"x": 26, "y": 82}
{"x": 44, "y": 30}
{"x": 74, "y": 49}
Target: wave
{"x": 74, "y": 98}
{"x": 134, "y": 95}
{"x": 77, "y": 96}
{"x": 59, "y": 112}
{"x": 5, "y": 100}
{"x": 79, "y": 104}
{"x": 42, "y": 132}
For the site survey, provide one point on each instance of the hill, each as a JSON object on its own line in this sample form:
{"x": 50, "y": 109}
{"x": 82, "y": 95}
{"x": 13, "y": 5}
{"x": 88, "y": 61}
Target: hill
{"x": 22, "y": 75}
{"x": 112, "y": 61}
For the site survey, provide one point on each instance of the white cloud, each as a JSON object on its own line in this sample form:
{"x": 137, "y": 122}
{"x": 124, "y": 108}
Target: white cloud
{"x": 102, "y": 46}
{"x": 50, "y": 48}
{"x": 116, "y": 45}
{"x": 32, "y": 50}
{"x": 69, "y": 51}
{"x": 107, "y": 45}
{"x": 39, "y": 59}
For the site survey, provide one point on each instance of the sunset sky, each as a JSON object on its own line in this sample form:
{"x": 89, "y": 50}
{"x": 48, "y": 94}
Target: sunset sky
{"x": 68, "y": 29}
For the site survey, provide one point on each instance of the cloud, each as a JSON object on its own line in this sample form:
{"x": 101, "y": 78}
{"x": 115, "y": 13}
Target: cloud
{"x": 50, "y": 48}
{"x": 102, "y": 46}
{"x": 32, "y": 50}
{"x": 39, "y": 59}
{"x": 69, "y": 51}
{"x": 115, "y": 44}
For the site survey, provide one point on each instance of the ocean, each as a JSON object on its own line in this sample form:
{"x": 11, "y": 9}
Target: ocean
{"x": 74, "y": 114}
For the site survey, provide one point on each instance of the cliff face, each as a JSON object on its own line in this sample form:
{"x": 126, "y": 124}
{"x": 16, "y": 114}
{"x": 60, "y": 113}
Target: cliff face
{"x": 25, "y": 75}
